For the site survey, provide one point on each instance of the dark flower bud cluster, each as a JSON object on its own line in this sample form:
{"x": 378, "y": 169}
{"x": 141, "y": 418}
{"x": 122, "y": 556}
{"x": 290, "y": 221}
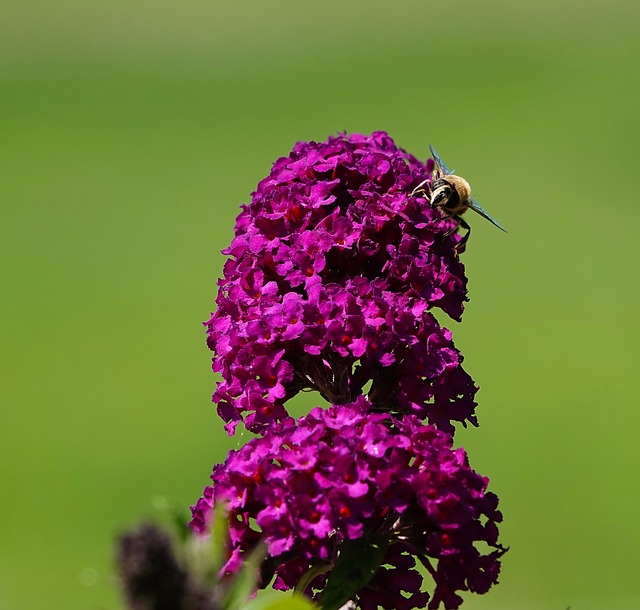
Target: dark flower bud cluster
{"x": 152, "y": 576}
{"x": 329, "y": 286}
{"x": 336, "y": 267}
{"x": 346, "y": 473}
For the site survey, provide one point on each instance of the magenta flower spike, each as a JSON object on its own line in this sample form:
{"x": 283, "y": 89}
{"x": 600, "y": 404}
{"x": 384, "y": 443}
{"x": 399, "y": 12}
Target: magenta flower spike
{"x": 330, "y": 284}
{"x": 332, "y": 279}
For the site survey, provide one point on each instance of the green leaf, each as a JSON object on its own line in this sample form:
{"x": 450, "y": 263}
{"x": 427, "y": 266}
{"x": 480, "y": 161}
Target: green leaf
{"x": 280, "y": 601}
{"x": 356, "y": 565}
{"x": 310, "y": 575}
{"x": 219, "y": 528}
{"x": 205, "y": 555}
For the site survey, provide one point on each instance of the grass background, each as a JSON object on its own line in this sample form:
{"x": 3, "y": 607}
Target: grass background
{"x": 129, "y": 135}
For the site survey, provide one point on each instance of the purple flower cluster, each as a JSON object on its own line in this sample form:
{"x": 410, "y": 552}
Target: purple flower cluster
{"x": 329, "y": 284}
{"x": 331, "y": 280}
{"x": 345, "y": 473}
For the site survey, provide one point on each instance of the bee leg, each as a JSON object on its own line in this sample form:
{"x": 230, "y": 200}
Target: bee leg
{"x": 419, "y": 188}
{"x": 462, "y": 243}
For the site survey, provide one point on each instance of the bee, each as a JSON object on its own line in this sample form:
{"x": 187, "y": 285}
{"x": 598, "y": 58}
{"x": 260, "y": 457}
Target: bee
{"x": 452, "y": 194}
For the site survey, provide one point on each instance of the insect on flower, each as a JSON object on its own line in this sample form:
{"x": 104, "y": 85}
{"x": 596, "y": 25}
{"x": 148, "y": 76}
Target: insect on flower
{"x": 452, "y": 194}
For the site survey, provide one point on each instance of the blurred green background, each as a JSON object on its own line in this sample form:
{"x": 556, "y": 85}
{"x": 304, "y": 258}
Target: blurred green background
{"x": 129, "y": 135}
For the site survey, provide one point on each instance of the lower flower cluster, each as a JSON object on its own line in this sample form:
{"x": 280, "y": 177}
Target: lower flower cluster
{"x": 310, "y": 486}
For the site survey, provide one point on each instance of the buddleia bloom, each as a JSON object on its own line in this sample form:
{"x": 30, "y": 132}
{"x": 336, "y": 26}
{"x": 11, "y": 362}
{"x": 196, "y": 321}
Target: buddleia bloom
{"x": 330, "y": 285}
{"x": 311, "y": 486}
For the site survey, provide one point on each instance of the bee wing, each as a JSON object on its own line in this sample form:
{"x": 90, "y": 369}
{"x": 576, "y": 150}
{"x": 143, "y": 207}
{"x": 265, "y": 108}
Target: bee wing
{"x": 476, "y": 207}
{"x": 439, "y": 162}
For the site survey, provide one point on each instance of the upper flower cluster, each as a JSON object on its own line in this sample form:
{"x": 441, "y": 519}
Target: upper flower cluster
{"x": 329, "y": 284}
{"x": 308, "y": 487}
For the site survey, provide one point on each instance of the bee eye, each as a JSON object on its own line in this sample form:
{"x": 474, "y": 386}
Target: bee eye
{"x": 439, "y": 198}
